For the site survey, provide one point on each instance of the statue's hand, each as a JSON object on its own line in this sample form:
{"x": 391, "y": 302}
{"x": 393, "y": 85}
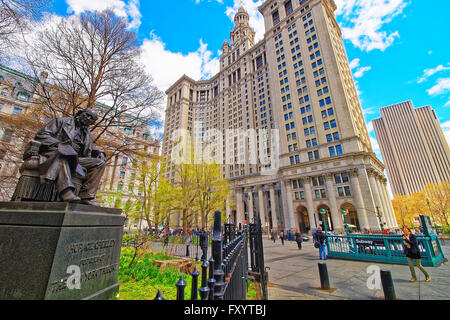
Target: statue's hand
{"x": 102, "y": 156}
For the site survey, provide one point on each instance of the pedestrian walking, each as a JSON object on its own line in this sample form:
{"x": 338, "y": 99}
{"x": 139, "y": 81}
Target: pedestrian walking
{"x": 282, "y": 237}
{"x": 321, "y": 240}
{"x": 187, "y": 241}
{"x": 412, "y": 252}
{"x": 166, "y": 242}
{"x": 298, "y": 239}
{"x": 274, "y": 236}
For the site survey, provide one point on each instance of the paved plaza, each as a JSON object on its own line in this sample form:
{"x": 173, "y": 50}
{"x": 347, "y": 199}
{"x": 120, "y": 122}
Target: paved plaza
{"x": 294, "y": 275}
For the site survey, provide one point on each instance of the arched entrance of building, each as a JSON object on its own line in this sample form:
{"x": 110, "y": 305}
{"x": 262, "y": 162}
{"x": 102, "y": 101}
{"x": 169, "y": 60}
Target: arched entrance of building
{"x": 329, "y": 221}
{"x": 303, "y": 219}
{"x": 352, "y": 214}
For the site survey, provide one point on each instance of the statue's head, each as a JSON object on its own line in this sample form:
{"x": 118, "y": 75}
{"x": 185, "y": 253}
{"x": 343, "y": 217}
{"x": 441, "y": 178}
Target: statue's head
{"x": 86, "y": 118}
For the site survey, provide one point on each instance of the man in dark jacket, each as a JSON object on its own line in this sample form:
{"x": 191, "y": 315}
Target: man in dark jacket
{"x": 298, "y": 239}
{"x": 322, "y": 239}
{"x": 66, "y": 150}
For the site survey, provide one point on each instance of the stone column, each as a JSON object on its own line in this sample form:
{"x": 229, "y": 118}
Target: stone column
{"x": 375, "y": 192}
{"x": 273, "y": 207}
{"x": 228, "y": 208}
{"x": 250, "y": 203}
{"x": 357, "y": 194}
{"x": 335, "y": 214}
{"x": 309, "y": 203}
{"x": 389, "y": 204}
{"x": 262, "y": 209}
{"x": 386, "y": 214}
{"x": 239, "y": 207}
{"x": 291, "y": 216}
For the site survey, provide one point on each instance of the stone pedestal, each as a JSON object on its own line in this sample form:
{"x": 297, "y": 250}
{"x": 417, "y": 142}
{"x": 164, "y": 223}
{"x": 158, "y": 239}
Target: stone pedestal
{"x": 42, "y": 245}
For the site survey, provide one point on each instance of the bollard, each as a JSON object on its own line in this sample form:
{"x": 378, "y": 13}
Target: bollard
{"x": 388, "y": 285}
{"x": 204, "y": 290}
{"x": 181, "y": 284}
{"x": 159, "y": 296}
{"x": 324, "y": 280}
{"x": 194, "y": 287}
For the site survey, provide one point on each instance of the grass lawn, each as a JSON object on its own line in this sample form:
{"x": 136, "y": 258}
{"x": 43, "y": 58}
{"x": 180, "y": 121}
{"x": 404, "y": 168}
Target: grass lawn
{"x": 143, "y": 280}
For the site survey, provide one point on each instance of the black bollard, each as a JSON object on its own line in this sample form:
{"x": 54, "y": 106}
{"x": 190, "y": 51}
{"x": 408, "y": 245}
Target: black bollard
{"x": 388, "y": 285}
{"x": 324, "y": 280}
{"x": 194, "y": 287}
{"x": 181, "y": 284}
{"x": 204, "y": 290}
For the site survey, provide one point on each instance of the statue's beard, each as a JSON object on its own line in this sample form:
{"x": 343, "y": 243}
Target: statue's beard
{"x": 80, "y": 124}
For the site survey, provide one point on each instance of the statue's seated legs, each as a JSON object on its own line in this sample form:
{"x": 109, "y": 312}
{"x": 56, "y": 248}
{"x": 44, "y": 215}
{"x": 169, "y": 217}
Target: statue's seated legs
{"x": 93, "y": 168}
{"x": 94, "y": 171}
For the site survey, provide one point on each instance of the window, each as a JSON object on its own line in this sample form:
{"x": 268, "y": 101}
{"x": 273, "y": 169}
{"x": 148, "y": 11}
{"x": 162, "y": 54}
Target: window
{"x": 276, "y": 17}
{"x": 5, "y": 92}
{"x": 339, "y": 150}
{"x": 288, "y": 7}
{"x": 122, "y": 174}
{"x": 17, "y": 111}
{"x": 337, "y": 179}
{"x": 345, "y": 177}
{"x": 332, "y": 151}
{"x": 336, "y": 136}
{"x": 124, "y": 161}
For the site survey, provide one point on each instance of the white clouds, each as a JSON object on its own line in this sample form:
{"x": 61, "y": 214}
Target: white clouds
{"x": 362, "y": 22}
{"x": 167, "y": 67}
{"x": 442, "y": 86}
{"x": 361, "y": 71}
{"x": 256, "y": 19}
{"x": 355, "y": 64}
{"x": 429, "y": 72}
{"x": 119, "y": 7}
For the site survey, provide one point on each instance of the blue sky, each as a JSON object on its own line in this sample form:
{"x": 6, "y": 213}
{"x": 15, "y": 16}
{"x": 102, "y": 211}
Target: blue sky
{"x": 398, "y": 49}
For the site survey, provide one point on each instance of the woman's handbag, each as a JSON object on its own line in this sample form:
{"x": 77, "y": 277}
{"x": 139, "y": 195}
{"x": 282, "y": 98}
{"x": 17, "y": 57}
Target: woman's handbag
{"x": 316, "y": 244}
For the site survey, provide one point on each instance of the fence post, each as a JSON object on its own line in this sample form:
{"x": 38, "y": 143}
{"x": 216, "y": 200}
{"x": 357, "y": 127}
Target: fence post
{"x": 181, "y": 284}
{"x": 217, "y": 255}
{"x": 204, "y": 290}
{"x": 194, "y": 289}
{"x": 159, "y": 296}
{"x": 323, "y": 273}
{"x": 211, "y": 281}
{"x": 388, "y": 285}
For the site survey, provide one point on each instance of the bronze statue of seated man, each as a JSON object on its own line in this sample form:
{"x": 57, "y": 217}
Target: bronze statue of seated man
{"x": 66, "y": 150}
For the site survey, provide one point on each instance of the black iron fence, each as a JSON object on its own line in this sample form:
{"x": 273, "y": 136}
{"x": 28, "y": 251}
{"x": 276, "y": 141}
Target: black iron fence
{"x": 224, "y": 276}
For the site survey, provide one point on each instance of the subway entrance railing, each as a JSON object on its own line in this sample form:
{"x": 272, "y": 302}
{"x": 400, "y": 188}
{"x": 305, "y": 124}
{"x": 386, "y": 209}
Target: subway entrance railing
{"x": 386, "y": 248}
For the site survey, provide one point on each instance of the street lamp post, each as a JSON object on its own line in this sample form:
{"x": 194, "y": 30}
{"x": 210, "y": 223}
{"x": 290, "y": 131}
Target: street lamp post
{"x": 432, "y": 215}
{"x": 322, "y": 212}
{"x": 344, "y": 213}
{"x": 380, "y": 215}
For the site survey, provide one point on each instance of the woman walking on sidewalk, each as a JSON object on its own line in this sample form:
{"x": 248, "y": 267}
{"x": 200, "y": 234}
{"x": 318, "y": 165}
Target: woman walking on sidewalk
{"x": 412, "y": 252}
{"x": 298, "y": 239}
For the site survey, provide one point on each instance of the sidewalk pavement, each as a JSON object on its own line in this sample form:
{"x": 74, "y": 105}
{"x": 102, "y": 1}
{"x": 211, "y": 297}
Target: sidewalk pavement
{"x": 294, "y": 275}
